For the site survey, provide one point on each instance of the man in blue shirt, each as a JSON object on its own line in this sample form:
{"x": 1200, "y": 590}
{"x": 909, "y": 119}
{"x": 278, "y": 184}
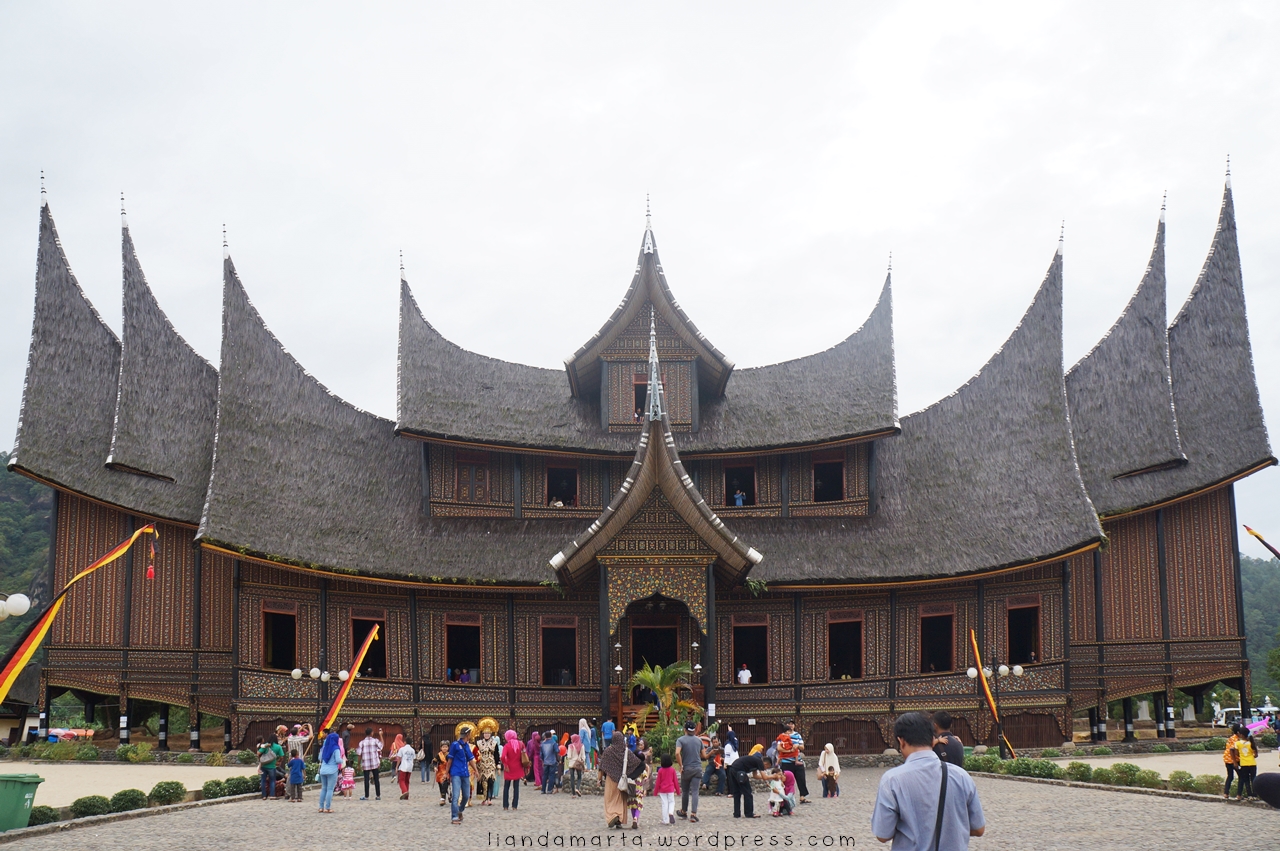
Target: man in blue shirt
{"x": 460, "y": 756}
{"x": 906, "y": 809}
{"x": 606, "y": 734}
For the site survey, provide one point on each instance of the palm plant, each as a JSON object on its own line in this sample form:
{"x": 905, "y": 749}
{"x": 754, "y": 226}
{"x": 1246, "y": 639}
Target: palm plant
{"x": 673, "y": 709}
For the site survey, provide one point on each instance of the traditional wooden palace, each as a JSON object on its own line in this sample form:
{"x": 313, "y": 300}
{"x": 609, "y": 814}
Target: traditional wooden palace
{"x": 524, "y": 538}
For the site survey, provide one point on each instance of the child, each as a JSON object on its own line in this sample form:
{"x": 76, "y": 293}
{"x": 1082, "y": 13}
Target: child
{"x": 781, "y": 801}
{"x": 635, "y": 798}
{"x": 829, "y": 771}
{"x": 665, "y": 787}
{"x": 348, "y": 780}
{"x": 295, "y": 777}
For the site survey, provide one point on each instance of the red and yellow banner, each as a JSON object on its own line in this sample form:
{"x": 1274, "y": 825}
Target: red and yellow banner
{"x": 986, "y": 688}
{"x": 1262, "y": 541}
{"x": 16, "y": 662}
{"x": 332, "y": 715}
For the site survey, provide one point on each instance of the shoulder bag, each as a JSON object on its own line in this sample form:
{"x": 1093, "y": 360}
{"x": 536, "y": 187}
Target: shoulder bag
{"x": 624, "y": 782}
{"x": 942, "y": 806}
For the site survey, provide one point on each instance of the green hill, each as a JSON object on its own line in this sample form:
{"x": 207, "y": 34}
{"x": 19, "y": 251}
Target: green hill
{"x": 24, "y": 544}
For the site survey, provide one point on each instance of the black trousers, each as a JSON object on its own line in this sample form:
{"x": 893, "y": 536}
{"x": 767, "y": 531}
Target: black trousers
{"x": 797, "y": 768}
{"x": 743, "y": 800}
{"x": 511, "y": 792}
{"x": 1247, "y": 773}
{"x": 1231, "y": 772}
{"x": 377, "y": 784}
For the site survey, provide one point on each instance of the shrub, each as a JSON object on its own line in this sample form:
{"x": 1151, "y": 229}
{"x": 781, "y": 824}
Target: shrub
{"x": 214, "y": 789}
{"x": 384, "y": 766}
{"x": 62, "y": 751}
{"x": 168, "y": 792}
{"x": 1148, "y": 779}
{"x": 1105, "y": 776}
{"x": 25, "y": 751}
{"x": 128, "y": 799}
{"x": 87, "y": 753}
{"x": 1161, "y": 749}
{"x": 1209, "y": 784}
{"x": 1050, "y": 752}
{"x": 984, "y": 763}
{"x": 4, "y": 752}
{"x": 123, "y": 752}
{"x": 1102, "y": 750}
{"x": 43, "y": 815}
{"x": 184, "y": 758}
{"x": 1182, "y": 781}
{"x": 246, "y": 757}
{"x": 243, "y": 785}
{"x": 1216, "y": 743}
{"x": 1269, "y": 740}
{"x": 140, "y": 753}
{"x": 1198, "y": 746}
{"x": 1126, "y": 773}
{"x": 1047, "y": 769}
{"x": 216, "y": 759}
{"x": 1080, "y": 771}
{"x": 1020, "y": 767}
{"x": 91, "y": 805}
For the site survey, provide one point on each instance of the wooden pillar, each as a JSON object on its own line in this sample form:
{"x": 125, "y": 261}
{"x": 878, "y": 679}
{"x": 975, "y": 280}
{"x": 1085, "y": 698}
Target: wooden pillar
{"x": 1128, "y": 720}
{"x": 1093, "y": 723}
{"x": 517, "y": 489}
{"x": 606, "y": 652}
{"x": 893, "y": 646}
{"x": 511, "y": 653}
{"x": 1099, "y": 631}
{"x": 46, "y": 706}
{"x": 1245, "y": 698}
{"x": 873, "y": 470}
{"x": 710, "y": 673}
{"x": 785, "y": 468}
{"x": 162, "y": 743}
{"x": 797, "y": 608}
{"x": 424, "y": 473}
{"x": 124, "y": 718}
{"x": 322, "y": 689}
{"x": 90, "y": 707}
{"x": 131, "y": 525}
{"x": 193, "y": 731}
{"x": 1157, "y": 702}
{"x": 226, "y": 735}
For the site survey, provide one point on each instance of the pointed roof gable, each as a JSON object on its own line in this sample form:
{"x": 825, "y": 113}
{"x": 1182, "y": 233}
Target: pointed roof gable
{"x": 1215, "y": 394}
{"x": 849, "y": 390}
{"x": 656, "y": 469}
{"x": 983, "y": 479}
{"x": 1121, "y": 397}
{"x": 69, "y": 396}
{"x": 166, "y": 401}
{"x": 648, "y": 285}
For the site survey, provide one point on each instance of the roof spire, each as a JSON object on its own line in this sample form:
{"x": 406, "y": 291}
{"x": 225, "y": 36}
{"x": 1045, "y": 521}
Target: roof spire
{"x": 648, "y": 217}
{"x": 124, "y": 220}
{"x": 226, "y": 252}
{"x": 655, "y": 377}
{"x": 890, "y": 261}
{"x": 402, "y": 264}
{"x": 1062, "y": 232}
{"x": 1228, "y": 171}
{"x": 1163, "y": 202}
{"x": 44, "y": 198}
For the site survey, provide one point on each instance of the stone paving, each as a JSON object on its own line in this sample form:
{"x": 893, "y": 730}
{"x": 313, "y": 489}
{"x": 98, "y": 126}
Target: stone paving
{"x": 1019, "y": 816}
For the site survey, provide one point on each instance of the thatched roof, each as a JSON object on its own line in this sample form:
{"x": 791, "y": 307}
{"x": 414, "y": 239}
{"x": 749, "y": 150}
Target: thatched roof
{"x": 656, "y": 466}
{"x": 166, "y": 401}
{"x": 1215, "y": 395}
{"x": 982, "y": 479}
{"x": 649, "y": 284}
{"x": 1121, "y": 398}
{"x": 301, "y": 476}
{"x": 448, "y": 392}
{"x": 69, "y": 400}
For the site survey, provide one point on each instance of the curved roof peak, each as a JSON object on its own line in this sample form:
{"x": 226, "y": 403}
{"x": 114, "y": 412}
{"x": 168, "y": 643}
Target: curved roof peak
{"x": 648, "y": 286}
{"x": 1121, "y": 395}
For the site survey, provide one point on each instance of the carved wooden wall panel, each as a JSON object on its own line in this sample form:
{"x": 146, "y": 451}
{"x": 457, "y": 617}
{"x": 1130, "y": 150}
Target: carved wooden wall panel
{"x": 1083, "y": 620}
{"x": 93, "y": 612}
{"x": 1131, "y": 579}
{"x": 217, "y": 594}
{"x": 162, "y": 607}
{"x": 1201, "y": 567}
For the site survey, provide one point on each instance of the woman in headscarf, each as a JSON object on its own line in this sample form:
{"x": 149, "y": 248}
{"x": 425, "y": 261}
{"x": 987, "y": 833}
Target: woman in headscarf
{"x": 731, "y": 747}
{"x": 330, "y": 764}
{"x": 513, "y": 759}
{"x": 829, "y": 771}
{"x": 612, "y": 763}
{"x": 534, "y": 749}
{"x": 584, "y": 737}
{"x": 755, "y": 749}
{"x": 402, "y": 757}
{"x": 487, "y": 771}
{"x": 575, "y": 762}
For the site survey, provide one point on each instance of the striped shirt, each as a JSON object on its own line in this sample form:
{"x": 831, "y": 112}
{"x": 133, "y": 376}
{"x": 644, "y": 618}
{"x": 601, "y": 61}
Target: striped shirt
{"x": 370, "y": 751}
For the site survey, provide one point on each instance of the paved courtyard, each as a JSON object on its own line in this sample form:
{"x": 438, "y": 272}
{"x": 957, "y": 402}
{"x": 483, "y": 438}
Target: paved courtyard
{"x": 1019, "y": 816}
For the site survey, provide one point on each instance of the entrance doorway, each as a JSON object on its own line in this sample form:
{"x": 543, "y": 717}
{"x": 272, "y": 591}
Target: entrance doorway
{"x": 657, "y": 645}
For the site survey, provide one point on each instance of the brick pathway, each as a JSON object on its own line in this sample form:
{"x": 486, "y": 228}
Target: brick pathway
{"x": 1019, "y": 816}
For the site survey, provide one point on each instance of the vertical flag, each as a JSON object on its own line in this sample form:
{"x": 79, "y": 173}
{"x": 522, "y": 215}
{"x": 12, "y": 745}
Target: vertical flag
{"x": 986, "y": 688}
{"x": 332, "y": 715}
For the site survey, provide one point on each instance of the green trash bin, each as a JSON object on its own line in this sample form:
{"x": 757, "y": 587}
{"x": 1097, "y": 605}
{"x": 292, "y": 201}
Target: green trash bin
{"x": 17, "y": 794}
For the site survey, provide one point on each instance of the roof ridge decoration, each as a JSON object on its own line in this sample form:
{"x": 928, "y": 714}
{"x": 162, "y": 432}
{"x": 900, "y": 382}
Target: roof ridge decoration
{"x": 648, "y": 284}
{"x": 166, "y": 400}
{"x": 69, "y": 394}
{"x": 1121, "y": 395}
{"x": 656, "y": 466}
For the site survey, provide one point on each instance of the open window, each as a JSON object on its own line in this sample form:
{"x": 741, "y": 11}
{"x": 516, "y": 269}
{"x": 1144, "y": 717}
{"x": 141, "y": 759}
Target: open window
{"x": 374, "y": 663}
{"x": 740, "y": 485}
{"x": 844, "y": 645}
{"x": 828, "y": 481}
{"x": 462, "y": 648}
{"x": 559, "y": 651}
{"x": 640, "y": 389}
{"x": 1024, "y": 630}
{"x": 937, "y": 640}
{"x": 280, "y": 636}
{"x": 562, "y": 487}
{"x": 751, "y": 648}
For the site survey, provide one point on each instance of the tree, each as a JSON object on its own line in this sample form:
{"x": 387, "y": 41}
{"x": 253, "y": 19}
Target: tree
{"x": 673, "y": 710}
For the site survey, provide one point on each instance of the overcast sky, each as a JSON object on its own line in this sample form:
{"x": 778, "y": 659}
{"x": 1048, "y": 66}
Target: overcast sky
{"x": 507, "y": 150}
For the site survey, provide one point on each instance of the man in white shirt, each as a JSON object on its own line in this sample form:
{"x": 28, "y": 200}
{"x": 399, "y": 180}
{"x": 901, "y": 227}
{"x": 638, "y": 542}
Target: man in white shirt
{"x": 744, "y": 675}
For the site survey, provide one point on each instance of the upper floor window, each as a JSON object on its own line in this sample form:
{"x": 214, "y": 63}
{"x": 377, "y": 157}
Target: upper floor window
{"x": 462, "y": 648}
{"x": 1024, "y": 630}
{"x": 473, "y": 482}
{"x": 937, "y": 638}
{"x": 374, "y": 663}
{"x": 562, "y": 487}
{"x": 740, "y": 485}
{"x": 640, "y": 391}
{"x": 844, "y": 645}
{"x": 280, "y": 636}
{"x": 828, "y": 481}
